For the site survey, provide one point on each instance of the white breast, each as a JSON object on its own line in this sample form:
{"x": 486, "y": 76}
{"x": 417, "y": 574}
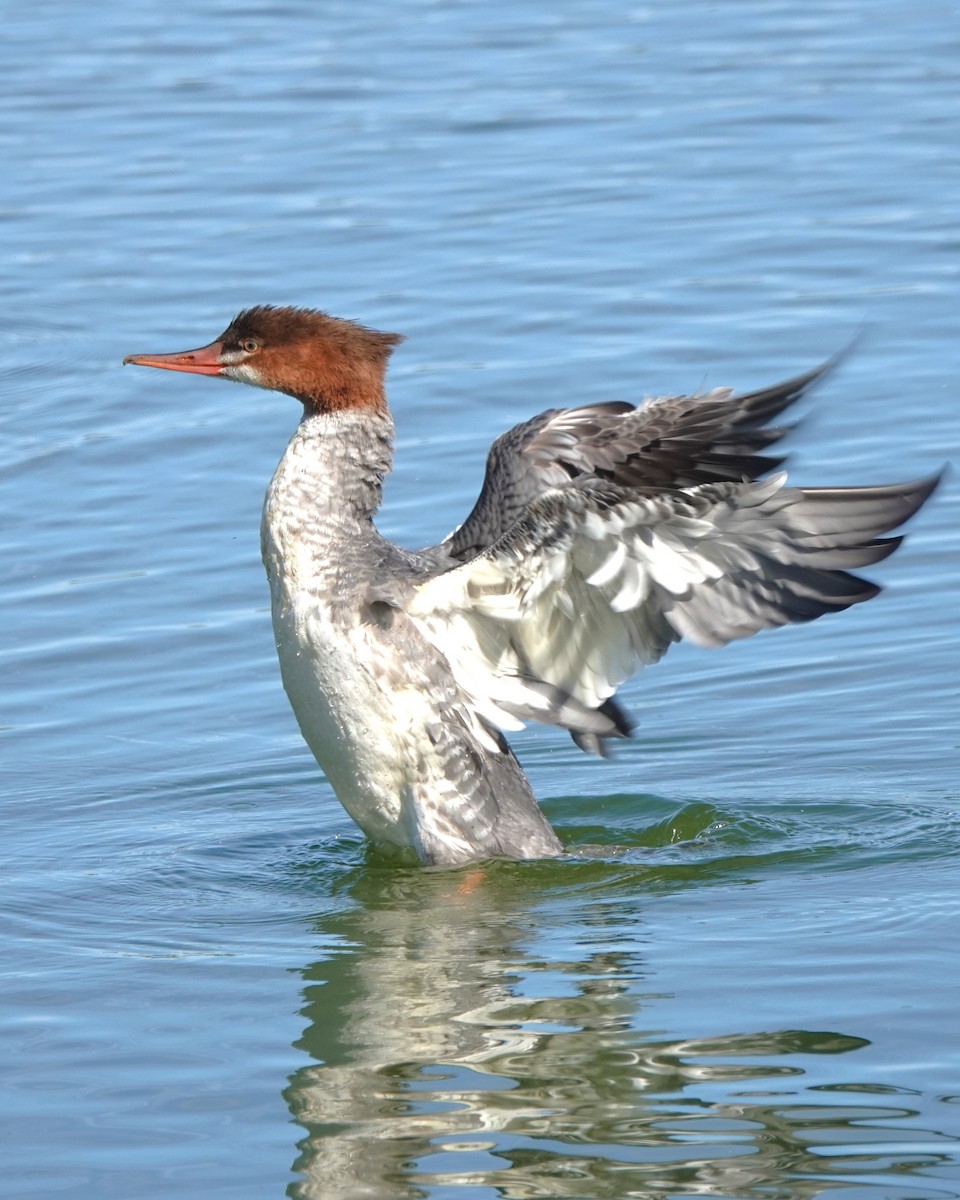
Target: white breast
{"x": 346, "y": 716}
{"x": 349, "y": 693}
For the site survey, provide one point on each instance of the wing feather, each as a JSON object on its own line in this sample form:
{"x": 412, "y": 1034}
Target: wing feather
{"x": 667, "y": 442}
{"x": 594, "y": 580}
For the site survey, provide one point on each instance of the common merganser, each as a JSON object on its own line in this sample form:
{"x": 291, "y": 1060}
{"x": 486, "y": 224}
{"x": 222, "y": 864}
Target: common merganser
{"x": 602, "y": 534}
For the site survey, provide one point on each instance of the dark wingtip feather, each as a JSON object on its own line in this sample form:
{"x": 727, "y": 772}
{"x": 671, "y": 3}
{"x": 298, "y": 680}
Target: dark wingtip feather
{"x": 762, "y": 405}
{"x": 911, "y": 496}
{"x": 869, "y": 511}
{"x": 926, "y": 486}
{"x": 596, "y": 743}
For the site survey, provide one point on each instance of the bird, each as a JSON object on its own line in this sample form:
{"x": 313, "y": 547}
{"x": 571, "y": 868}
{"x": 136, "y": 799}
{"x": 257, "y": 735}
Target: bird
{"x": 602, "y": 534}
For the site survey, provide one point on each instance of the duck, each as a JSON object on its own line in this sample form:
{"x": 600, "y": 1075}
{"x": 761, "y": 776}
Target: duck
{"x": 603, "y": 533}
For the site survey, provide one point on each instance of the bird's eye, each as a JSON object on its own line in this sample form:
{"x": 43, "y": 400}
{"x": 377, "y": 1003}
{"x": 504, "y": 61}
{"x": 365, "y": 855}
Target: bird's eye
{"x": 248, "y": 345}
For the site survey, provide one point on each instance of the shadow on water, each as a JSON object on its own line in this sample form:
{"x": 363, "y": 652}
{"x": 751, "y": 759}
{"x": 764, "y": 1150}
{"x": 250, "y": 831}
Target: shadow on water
{"x": 493, "y": 1031}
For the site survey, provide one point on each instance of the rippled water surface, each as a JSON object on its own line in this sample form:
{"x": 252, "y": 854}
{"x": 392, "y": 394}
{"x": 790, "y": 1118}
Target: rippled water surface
{"x": 744, "y": 979}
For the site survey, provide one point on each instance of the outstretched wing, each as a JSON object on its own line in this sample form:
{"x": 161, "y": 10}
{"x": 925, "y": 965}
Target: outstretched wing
{"x": 673, "y": 441}
{"x": 594, "y": 580}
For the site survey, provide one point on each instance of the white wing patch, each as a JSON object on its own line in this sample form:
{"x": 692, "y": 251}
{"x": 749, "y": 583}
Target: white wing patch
{"x": 595, "y": 580}
{"x": 579, "y": 593}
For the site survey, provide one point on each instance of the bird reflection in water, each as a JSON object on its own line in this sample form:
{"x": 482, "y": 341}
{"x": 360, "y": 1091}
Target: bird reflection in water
{"x": 452, "y": 1049}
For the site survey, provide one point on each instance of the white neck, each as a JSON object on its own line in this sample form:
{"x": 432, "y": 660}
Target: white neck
{"x": 327, "y": 486}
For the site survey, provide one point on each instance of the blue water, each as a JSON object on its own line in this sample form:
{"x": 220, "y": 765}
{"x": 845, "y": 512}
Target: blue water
{"x": 745, "y": 980}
